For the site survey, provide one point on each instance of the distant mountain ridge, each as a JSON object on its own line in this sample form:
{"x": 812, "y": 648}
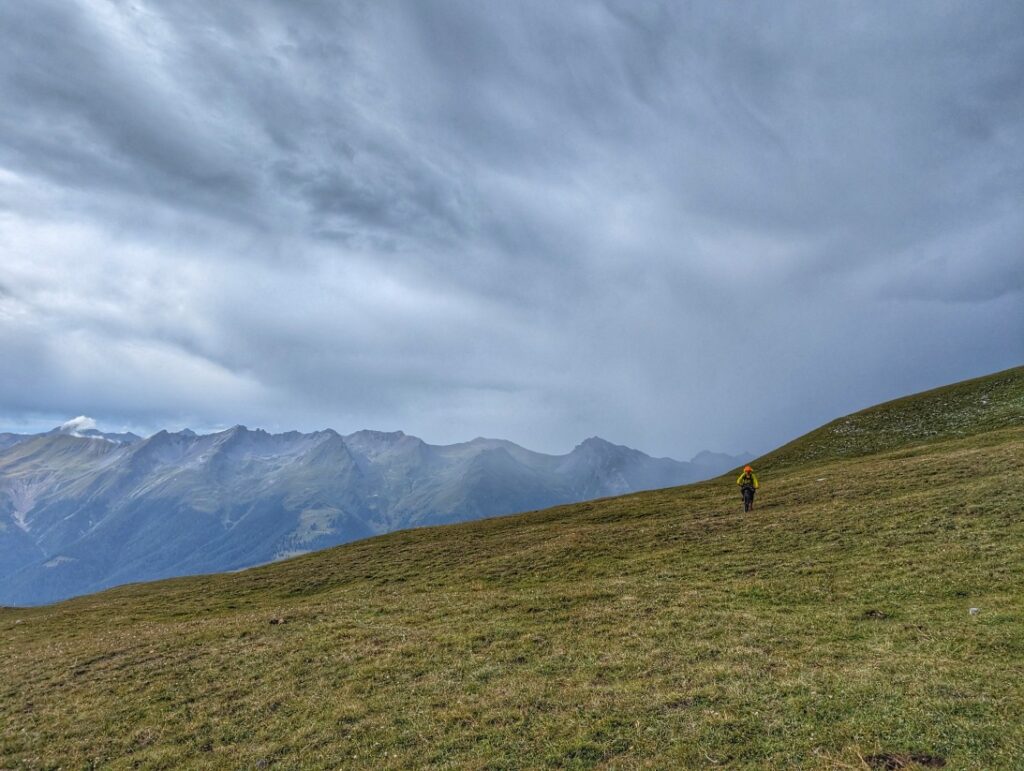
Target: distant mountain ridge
{"x": 81, "y": 509}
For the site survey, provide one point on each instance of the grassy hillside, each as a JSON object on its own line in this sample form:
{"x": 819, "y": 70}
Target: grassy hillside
{"x": 962, "y": 409}
{"x": 828, "y": 629}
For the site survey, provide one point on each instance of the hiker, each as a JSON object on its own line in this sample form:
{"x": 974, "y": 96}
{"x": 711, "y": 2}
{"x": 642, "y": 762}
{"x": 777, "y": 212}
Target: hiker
{"x": 748, "y": 484}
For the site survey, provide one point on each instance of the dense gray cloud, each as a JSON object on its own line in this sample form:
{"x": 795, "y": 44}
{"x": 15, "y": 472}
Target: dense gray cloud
{"x": 678, "y": 226}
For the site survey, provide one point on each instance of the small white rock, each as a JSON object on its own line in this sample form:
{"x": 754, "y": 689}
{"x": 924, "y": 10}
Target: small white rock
{"x": 973, "y": 611}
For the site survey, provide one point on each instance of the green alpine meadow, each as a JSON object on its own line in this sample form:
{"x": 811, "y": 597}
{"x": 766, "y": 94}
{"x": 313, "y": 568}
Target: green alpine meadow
{"x": 508, "y": 386}
{"x": 869, "y": 613}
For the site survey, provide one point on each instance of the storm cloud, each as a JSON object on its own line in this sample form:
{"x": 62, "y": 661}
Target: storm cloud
{"x": 678, "y": 226}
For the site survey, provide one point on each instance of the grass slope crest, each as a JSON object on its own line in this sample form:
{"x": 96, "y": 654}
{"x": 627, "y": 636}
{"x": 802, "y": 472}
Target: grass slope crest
{"x": 971, "y": 407}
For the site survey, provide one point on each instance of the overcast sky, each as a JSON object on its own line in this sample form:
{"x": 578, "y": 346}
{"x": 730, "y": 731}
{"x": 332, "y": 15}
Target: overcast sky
{"x": 677, "y": 226}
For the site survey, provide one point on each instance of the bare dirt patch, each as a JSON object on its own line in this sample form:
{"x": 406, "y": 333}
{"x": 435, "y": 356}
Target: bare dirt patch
{"x": 890, "y": 761}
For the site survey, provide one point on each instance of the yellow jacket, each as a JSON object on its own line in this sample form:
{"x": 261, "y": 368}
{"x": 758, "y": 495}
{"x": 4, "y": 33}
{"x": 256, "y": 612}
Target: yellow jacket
{"x": 741, "y": 480}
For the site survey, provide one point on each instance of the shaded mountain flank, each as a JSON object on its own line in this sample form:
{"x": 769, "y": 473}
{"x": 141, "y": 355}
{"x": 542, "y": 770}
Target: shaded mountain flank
{"x": 81, "y": 510}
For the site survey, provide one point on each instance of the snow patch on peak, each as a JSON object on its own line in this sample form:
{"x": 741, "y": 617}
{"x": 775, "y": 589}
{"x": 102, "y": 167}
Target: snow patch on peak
{"x": 84, "y": 427}
{"x": 75, "y": 425}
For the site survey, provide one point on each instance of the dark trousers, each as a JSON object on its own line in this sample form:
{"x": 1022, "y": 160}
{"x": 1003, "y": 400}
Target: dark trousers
{"x": 748, "y": 497}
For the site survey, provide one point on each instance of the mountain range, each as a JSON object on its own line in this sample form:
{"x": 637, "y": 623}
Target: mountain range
{"x": 81, "y": 509}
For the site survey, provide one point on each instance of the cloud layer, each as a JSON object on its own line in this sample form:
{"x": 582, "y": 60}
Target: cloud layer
{"x": 676, "y": 226}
